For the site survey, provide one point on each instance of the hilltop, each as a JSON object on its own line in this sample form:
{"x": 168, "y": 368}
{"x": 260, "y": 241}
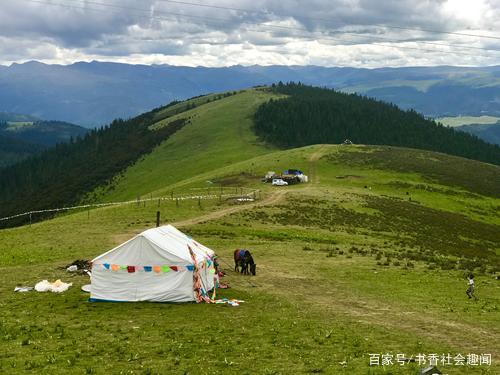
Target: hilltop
{"x": 95, "y": 93}
{"x": 362, "y": 259}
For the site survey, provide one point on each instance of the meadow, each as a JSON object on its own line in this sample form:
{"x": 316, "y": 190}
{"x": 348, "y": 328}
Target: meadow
{"x": 367, "y": 259}
{"x": 336, "y": 282}
{"x": 467, "y": 120}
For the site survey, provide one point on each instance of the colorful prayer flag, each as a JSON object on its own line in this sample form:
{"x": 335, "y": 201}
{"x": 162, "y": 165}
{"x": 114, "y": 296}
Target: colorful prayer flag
{"x": 131, "y": 269}
{"x": 157, "y": 269}
{"x": 147, "y": 268}
{"x": 165, "y": 269}
{"x": 174, "y": 268}
{"x": 106, "y": 265}
{"x": 115, "y": 267}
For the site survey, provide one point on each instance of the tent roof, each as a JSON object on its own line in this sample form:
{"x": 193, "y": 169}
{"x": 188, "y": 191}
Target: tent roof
{"x": 165, "y": 241}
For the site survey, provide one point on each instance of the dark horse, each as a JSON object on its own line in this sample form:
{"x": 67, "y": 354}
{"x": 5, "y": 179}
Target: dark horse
{"x": 243, "y": 259}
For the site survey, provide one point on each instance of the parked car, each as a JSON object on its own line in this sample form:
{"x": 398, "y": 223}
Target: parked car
{"x": 279, "y": 182}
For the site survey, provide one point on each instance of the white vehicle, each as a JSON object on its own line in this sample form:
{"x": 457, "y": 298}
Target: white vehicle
{"x": 279, "y": 182}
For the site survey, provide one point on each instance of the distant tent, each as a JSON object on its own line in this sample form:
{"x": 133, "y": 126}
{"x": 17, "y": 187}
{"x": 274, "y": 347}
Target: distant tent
{"x": 159, "y": 265}
{"x": 294, "y": 172}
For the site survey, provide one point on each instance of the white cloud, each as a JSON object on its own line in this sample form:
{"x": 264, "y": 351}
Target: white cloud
{"x": 361, "y": 33}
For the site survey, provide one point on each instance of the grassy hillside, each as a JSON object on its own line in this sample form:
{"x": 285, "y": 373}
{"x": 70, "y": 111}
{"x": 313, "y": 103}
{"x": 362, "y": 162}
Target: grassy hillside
{"x": 368, "y": 257}
{"x": 486, "y": 128}
{"x": 219, "y": 134}
{"x": 17, "y": 118}
{"x": 467, "y": 120}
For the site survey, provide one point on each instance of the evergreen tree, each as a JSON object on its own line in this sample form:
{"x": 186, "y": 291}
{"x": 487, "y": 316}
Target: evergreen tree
{"x": 311, "y": 115}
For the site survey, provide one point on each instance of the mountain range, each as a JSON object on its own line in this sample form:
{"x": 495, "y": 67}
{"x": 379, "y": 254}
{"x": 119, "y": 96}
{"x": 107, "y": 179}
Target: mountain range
{"x": 94, "y": 93}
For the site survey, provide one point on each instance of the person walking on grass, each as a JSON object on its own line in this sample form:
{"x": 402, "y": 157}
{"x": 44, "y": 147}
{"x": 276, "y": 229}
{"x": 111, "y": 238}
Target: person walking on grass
{"x": 470, "y": 288}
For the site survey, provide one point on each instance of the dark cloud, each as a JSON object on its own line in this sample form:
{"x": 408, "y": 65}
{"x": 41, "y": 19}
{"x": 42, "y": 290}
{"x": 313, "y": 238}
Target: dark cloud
{"x": 324, "y": 32}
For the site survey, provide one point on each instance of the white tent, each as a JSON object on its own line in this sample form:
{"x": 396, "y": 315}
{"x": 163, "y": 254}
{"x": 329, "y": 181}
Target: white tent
{"x": 159, "y": 265}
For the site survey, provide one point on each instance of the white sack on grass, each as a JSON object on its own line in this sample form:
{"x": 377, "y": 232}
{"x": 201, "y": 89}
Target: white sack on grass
{"x": 57, "y": 286}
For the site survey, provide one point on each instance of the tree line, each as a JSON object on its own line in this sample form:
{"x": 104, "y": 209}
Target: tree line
{"x": 312, "y": 115}
{"x": 62, "y": 175}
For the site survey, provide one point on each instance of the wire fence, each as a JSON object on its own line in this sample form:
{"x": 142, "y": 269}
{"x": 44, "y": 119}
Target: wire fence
{"x": 239, "y": 192}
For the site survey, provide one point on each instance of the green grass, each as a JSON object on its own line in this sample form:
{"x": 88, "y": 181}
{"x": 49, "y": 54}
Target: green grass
{"x": 219, "y": 135}
{"x": 467, "y": 120}
{"x": 345, "y": 266}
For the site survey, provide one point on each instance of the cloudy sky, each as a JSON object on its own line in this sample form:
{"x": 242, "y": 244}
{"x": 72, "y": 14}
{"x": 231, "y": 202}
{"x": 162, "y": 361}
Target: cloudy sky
{"x": 358, "y": 33}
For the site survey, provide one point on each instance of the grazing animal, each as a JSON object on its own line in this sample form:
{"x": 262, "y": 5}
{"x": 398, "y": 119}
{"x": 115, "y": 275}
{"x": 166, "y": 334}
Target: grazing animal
{"x": 243, "y": 259}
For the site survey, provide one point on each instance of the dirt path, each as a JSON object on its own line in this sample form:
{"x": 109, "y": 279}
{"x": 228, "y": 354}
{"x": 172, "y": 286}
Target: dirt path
{"x": 272, "y": 198}
{"x": 314, "y": 177}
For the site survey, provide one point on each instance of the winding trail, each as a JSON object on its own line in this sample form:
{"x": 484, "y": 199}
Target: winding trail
{"x": 270, "y": 199}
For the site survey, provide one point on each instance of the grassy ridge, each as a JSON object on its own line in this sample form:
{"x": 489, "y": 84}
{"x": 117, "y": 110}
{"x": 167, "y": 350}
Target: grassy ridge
{"x": 219, "y": 135}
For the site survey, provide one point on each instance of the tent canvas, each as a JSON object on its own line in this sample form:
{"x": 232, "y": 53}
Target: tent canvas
{"x": 156, "y": 265}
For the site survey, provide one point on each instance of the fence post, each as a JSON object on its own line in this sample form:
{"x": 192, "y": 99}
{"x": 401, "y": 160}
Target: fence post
{"x": 157, "y": 219}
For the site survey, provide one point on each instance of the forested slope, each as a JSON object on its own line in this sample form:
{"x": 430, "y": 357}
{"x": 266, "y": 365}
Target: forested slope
{"x": 311, "y": 115}
{"x": 61, "y": 175}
